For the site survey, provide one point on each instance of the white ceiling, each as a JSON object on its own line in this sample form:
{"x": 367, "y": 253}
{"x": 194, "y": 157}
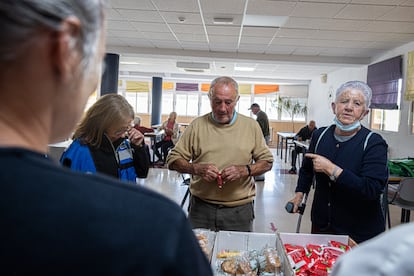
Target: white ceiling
{"x": 318, "y": 37}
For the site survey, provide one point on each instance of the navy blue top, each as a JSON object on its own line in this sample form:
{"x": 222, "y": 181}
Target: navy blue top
{"x": 352, "y": 204}
{"x": 54, "y": 221}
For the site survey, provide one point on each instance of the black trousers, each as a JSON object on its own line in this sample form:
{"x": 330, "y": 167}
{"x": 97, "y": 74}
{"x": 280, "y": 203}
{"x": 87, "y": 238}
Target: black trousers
{"x": 164, "y": 145}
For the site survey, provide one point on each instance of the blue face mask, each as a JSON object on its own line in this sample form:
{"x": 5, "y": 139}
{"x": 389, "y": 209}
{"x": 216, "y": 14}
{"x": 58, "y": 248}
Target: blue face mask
{"x": 346, "y": 128}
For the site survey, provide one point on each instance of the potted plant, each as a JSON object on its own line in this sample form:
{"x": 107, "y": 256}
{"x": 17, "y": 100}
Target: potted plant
{"x": 290, "y": 106}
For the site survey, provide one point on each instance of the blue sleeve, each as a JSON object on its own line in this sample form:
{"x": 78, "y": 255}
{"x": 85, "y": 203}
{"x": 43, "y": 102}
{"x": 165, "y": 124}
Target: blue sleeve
{"x": 78, "y": 158}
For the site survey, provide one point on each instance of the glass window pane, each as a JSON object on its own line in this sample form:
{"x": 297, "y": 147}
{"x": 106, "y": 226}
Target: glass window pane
{"x": 192, "y": 105}
{"x": 181, "y": 104}
{"x": 384, "y": 119}
{"x": 205, "y": 104}
{"x": 167, "y": 103}
{"x": 131, "y": 97}
{"x": 244, "y": 105}
{"x": 142, "y": 103}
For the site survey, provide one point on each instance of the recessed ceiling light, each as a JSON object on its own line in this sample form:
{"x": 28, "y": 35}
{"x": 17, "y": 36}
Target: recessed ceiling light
{"x": 251, "y": 20}
{"x": 244, "y": 69}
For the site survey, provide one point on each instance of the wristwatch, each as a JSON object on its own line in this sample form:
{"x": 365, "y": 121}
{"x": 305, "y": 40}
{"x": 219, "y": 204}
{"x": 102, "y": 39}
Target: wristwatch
{"x": 332, "y": 177}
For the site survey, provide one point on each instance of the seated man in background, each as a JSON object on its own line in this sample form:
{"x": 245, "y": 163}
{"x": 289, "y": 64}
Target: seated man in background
{"x": 171, "y": 129}
{"x": 305, "y": 133}
{"x": 55, "y": 221}
{"x": 142, "y": 129}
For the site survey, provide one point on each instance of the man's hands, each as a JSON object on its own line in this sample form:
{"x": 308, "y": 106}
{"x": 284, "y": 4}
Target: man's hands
{"x": 210, "y": 173}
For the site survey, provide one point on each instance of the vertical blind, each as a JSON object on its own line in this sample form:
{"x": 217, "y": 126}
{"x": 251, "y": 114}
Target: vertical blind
{"x": 383, "y": 79}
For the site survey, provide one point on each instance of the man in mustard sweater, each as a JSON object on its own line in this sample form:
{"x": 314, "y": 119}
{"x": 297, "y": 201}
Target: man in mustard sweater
{"x": 218, "y": 149}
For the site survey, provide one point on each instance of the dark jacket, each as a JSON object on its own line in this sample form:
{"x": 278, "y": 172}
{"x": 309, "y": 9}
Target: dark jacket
{"x": 55, "y": 221}
{"x": 352, "y": 204}
{"x": 263, "y": 122}
{"x": 305, "y": 133}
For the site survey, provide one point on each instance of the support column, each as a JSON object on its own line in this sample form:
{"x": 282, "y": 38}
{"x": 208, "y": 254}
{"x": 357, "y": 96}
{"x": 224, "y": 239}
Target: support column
{"x": 156, "y": 100}
{"x": 109, "y": 82}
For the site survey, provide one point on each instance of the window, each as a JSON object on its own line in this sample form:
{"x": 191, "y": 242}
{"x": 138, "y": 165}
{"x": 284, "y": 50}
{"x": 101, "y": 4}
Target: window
{"x": 243, "y": 104}
{"x": 187, "y": 104}
{"x": 167, "y": 104}
{"x": 205, "y": 106}
{"x": 384, "y": 79}
{"x": 142, "y": 103}
{"x": 264, "y": 100}
{"x": 387, "y": 119}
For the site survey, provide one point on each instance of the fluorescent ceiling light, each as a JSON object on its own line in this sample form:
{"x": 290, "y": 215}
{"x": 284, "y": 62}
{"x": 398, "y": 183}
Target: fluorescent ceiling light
{"x": 244, "y": 69}
{"x": 264, "y": 20}
{"x": 223, "y": 20}
{"x": 193, "y": 65}
{"x": 129, "y": 62}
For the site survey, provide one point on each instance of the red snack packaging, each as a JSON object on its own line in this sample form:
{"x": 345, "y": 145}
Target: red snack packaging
{"x": 219, "y": 181}
{"x": 291, "y": 247}
{"x": 320, "y": 268}
{"x": 340, "y": 245}
{"x": 314, "y": 247}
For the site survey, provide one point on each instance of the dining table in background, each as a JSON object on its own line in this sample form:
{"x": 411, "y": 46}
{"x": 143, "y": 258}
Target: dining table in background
{"x": 283, "y": 139}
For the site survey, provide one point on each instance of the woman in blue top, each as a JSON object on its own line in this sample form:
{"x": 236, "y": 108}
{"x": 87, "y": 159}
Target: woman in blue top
{"x": 106, "y": 142}
{"x": 349, "y": 163}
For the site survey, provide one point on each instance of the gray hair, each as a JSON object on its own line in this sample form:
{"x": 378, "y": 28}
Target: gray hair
{"x": 223, "y": 80}
{"x": 137, "y": 120}
{"x": 21, "y": 20}
{"x": 360, "y": 85}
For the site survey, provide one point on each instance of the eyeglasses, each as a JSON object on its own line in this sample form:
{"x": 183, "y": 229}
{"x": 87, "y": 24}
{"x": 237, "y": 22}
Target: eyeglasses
{"x": 123, "y": 130}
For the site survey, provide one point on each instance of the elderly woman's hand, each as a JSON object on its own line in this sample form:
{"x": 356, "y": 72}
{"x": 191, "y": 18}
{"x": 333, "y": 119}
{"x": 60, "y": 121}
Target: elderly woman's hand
{"x": 136, "y": 137}
{"x": 321, "y": 164}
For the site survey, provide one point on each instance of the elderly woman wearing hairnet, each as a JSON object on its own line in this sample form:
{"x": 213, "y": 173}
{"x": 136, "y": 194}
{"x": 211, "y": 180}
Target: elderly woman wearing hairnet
{"x": 349, "y": 163}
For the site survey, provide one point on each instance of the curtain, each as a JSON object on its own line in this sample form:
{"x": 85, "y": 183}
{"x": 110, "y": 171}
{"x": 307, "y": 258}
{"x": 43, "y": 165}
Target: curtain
{"x": 186, "y": 86}
{"x": 265, "y": 89}
{"x": 245, "y": 88}
{"x": 383, "y": 79}
{"x": 137, "y": 86}
{"x": 409, "y": 87}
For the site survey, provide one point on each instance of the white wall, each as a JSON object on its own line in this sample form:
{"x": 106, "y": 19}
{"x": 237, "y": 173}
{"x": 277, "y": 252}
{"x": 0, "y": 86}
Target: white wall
{"x": 400, "y": 144}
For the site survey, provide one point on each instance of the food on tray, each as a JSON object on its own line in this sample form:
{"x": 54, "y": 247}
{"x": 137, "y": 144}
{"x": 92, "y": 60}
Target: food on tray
{"x": 271, "y": 261}
{"x": 229, "y": 266}
{"x": 265, "y": 262}
{"x": 239, "y": 265}
{"x": 227, "y": 254}
{"x": 205, "y": 238}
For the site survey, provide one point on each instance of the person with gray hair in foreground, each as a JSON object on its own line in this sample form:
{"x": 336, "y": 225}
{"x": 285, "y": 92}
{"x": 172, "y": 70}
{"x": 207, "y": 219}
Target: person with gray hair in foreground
{"x": 349, "y": 163}
{"x": 55, "y": 221}
{"x": 390, "y": 253}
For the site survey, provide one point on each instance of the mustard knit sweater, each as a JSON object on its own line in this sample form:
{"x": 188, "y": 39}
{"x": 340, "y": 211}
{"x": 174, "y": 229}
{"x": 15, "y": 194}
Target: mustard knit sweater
{"x": 207, "y": 142}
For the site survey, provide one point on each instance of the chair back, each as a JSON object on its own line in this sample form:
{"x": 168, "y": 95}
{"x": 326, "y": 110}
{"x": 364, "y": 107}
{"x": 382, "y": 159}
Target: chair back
{"x": 406, "y": 191}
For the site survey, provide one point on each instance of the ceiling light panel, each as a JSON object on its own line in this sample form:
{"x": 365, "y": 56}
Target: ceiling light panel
{"x": 264, "y": 21}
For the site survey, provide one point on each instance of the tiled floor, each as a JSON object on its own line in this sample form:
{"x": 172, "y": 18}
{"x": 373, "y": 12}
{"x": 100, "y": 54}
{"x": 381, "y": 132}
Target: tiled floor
{"x": 271, "y": 197}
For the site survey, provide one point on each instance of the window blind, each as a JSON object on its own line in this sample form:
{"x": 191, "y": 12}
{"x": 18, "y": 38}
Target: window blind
{"x": 383, "y": 79}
